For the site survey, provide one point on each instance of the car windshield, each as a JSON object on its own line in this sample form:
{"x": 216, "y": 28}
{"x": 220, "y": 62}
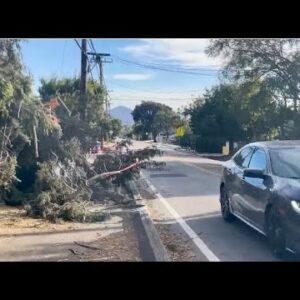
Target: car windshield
{"x": 285, "y": 162}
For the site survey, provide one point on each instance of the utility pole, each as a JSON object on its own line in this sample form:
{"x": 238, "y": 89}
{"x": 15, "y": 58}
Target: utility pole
{"x": 100, "y": 59}
{"x": 83, "y": 99}
{"x": 100, "y": 62}
{"x": 102, "y": 83}
{"x": 108, "y": 103}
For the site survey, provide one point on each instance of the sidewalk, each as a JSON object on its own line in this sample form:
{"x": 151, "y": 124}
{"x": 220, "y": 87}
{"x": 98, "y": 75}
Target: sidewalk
{"x": 26, "y": 239}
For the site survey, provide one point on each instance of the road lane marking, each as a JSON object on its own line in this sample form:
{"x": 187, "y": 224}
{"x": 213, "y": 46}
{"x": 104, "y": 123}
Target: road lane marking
{"x": 190, "y": 232}
{"x": 202, "y": 169}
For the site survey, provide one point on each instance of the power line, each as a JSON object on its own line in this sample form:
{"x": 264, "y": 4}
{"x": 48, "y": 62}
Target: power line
{"x": 150, "y": 99}
{"x": 184, "y": 70}
{"x": 158, "y": 92}
{"x": 174, "y": 66}
{"x": 79, "y": 46}
{"x": 90, "y": 67}
{"x": 130, "y": 98}
{"x": 183, "y": 67}
{"x": 94, "y": 49}
{"x": 99, "y": 59}
{"x": 133, "y": 98}
{"x": 92, "y": 45}
{"x": 147, "y": 66}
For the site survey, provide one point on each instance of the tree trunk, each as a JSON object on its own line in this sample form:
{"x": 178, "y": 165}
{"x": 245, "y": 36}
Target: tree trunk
{"x": 102, "y": 140}
{"x": 154, "y": 135}
{"x": 35, "y": 143}
{"x": 285, "y": 102}
{"x": 295, "y": 103}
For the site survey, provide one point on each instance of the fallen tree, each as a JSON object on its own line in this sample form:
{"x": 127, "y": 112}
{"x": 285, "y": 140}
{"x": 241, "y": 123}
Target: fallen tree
{"x": 44, "y": 142}
{"x": 64, "y": 190}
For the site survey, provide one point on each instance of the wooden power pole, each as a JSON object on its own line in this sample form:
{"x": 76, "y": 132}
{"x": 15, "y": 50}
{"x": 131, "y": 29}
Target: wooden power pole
{"x": 99, "y": 58}
{"x": 83, "y": 98}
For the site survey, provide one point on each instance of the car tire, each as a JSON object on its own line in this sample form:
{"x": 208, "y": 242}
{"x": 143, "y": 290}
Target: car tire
{"x": 275, "y": 234}
{"x": 225, "y": 208}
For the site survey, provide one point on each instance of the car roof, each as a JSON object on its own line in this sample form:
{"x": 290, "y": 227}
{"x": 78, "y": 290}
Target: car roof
{"x": 277, "y": 144}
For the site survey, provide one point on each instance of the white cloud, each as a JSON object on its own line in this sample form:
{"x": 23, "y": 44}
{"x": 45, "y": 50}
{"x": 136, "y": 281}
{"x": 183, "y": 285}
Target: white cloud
{"x": 133, "y": 76}
{"x": 185, "y": 52}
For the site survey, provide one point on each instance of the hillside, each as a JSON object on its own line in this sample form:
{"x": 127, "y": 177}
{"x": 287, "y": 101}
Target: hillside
{"x": 123, "y": 113}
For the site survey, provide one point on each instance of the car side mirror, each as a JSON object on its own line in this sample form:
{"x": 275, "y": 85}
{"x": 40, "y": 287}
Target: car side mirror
{"x": 254, "y": 173}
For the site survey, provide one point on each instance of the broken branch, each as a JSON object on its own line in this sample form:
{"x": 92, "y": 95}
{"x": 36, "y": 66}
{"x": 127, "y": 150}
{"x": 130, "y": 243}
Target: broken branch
{"x": 107, "y": 174}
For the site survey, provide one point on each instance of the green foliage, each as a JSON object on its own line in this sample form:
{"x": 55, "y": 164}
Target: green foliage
{"x": 275, "y": 61}
{"x": 115, "y": 126}
{"x": 107, "y": 162}
{"x": 97, "y": 124}
{"x": 68, "y": 89}
{"x": 73, "y": 148}
{"x": 144, "y": 118}
{"x": 60, "y": 192}
{"x": 234, "y": 112}
{"x": 216, "y": 115}
{"x": 10, "y": 59}
{"x": 114, "y": 162}
{"x": 165, "y": 121}
{"x": 6, "y": 94}
{"x": 7, "y": 173}
{"x": 19, "y": 110}
{"x": 14, "y": 197}
{"x": 54, "y": 183}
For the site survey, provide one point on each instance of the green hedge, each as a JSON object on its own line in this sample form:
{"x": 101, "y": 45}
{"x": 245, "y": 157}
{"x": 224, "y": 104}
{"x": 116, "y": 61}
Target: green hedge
{"x": 203, "y": 144}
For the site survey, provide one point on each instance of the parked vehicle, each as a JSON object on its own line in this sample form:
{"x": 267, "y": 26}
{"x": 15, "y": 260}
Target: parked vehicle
{"x": 260, "y": 185}
{"x": 172, "y": 138}
{"x": 95, "y": 149}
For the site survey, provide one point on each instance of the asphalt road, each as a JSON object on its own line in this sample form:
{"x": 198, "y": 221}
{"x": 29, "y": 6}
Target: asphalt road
{"x": 188, "y": 198}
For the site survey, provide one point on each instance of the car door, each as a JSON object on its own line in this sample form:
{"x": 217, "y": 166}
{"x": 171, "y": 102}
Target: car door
{"x": 240, "y": 162}
{"x": 256, "y": 190}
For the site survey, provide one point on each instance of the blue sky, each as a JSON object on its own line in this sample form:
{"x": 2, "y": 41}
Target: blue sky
{"x": 129, "y": 84}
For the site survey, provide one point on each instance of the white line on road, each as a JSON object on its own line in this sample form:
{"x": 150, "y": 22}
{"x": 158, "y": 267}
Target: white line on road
{"x": 190, "y": 232}
{"x": 202, "y": 169}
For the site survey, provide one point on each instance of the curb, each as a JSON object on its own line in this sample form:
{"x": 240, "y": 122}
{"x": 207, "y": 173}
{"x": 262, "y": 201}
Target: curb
{"x": 159, "y": 251}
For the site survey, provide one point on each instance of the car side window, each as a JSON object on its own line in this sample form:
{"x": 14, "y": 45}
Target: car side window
{"x": 243, "y": 157}
{"x": 258, "y": 160}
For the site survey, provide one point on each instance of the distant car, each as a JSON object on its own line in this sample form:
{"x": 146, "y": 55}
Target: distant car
{"x": 172, "y": 138}
{"x": 260, "y": 185}
{"x": 96, "y": 149}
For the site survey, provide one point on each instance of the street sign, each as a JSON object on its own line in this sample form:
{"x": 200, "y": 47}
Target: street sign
{"x": 180, "y": 131}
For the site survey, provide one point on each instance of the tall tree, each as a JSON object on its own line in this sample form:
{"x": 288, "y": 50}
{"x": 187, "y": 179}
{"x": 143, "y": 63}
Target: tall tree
{"x": 96, "y": 125}
{"x": 143, "y": 116}
{"x": 235, "y": 112}
{"x": 23, "y": 118}
{"x": 165, "y": 121}
{"x": 69, "y": 91}
{"x": 276, "y": 61}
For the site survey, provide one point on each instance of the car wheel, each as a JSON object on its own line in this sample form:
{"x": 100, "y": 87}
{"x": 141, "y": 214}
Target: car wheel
{"x": 276, "y": 234}
{"x": 225, "y": 208}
